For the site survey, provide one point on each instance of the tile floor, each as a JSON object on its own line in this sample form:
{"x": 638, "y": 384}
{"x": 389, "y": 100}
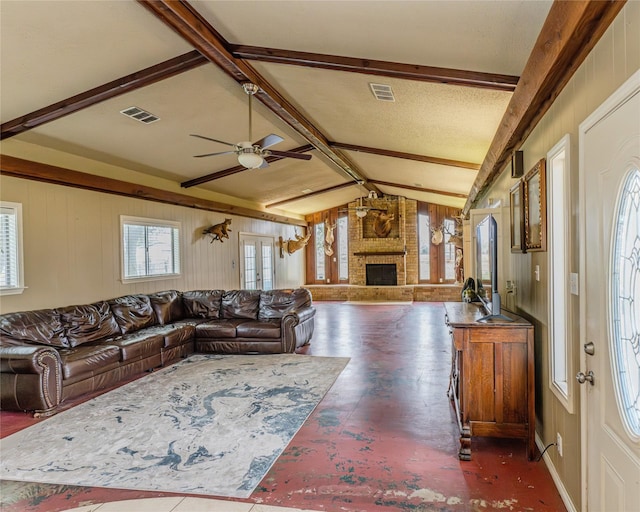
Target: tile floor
{"x": 384, "y": 438}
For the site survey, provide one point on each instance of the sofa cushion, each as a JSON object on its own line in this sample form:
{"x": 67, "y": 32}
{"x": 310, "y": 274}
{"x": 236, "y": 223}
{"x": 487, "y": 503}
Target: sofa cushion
{"x": 223, "y": 328}
{"x": 275, "y": 303}
{"x": 167, "y": 306}
{"x": 138, "y": 345}
{"x": 42, "y": 327}
{"x": 132, "y": 312}
{"x": 87, "y": 359}
{"x": 174, "y": 335}
{"x": 241, "y": 304}
{"x": 259, "y": 329}
{"x": 202, "y": 303}
{"x": 89, "y": 322}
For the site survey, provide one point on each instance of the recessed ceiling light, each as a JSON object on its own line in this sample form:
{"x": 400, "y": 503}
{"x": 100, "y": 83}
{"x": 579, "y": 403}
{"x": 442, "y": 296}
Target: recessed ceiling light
{"x": 417, "y": 184}
{"x": 140, "y": 115}
{"x": 382, "y": 92}
{"x": 307, "y": 190}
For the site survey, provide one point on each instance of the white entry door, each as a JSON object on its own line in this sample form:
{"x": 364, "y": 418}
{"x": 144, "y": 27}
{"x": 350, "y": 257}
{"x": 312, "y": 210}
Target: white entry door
{"x": 256, "y": 262}
{"x": 610, "y": 302}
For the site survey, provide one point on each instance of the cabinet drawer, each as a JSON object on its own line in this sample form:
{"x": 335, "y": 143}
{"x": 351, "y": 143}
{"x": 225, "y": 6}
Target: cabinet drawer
{"x": 493, "y": 335}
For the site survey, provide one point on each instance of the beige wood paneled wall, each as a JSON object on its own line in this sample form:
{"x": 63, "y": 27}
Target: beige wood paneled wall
{"x": 614, "y": 59}
{"x": 72, "y": 246}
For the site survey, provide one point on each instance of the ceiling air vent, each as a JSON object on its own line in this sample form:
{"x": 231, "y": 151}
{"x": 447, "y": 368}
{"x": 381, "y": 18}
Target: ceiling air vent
{"x": 382, "y": 92}
{"x": 139, "y": 115}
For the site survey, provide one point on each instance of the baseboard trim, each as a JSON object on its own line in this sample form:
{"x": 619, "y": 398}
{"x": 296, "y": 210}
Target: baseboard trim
{"x": 566, "y": 499}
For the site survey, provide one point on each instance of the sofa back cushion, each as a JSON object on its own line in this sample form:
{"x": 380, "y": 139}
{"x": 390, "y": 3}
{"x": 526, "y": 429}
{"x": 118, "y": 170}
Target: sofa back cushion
{"x": 132, "y": 312}
{"x": 167, "y": 306}
{"x": 202, "y": 303}
{"x": 275, "y": 303}
{"x": 89, "y": 322}
{"x": 241, "y": 304}
{"x": 41, "y": 327}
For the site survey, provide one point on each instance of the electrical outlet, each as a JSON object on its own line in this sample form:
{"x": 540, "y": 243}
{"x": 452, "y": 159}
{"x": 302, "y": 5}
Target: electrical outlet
{"x": 559, "y": 443}
{"x": 537, "y": 272}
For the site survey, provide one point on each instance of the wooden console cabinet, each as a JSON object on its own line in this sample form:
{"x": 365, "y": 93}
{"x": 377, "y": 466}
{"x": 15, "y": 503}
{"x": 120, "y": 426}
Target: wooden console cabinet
{"x": 492, "y": 376}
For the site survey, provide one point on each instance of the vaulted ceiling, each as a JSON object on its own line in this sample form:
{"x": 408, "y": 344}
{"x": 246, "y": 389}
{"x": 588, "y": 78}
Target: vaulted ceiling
{"x": 69, "y": 68}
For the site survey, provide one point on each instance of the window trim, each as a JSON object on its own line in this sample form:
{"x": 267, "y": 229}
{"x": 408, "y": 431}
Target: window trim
{"x": 144, "y": 221}
{"x": 560, "y": 337}
{"x": 436, "y": 214}
{"x": 20, "y": 288}
{"x": 339, "y": 239}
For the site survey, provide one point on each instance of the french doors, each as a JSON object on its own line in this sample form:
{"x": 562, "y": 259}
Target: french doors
{"x": 256, "y": 262}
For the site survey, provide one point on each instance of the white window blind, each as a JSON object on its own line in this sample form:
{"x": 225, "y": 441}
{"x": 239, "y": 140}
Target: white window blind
{"x": 11, "y": 275}
{"x": 150, "y": 248}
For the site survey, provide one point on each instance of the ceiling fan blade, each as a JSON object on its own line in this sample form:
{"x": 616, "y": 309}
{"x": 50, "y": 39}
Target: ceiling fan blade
{"x": 268, "y": 141}
{"x": 215, "y": 154}
{"x": 212, "y": 140}
{"x": 290, "y": 154}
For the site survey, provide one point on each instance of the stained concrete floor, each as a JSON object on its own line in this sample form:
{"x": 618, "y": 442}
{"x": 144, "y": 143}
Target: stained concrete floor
{"x": 383, "y": 439}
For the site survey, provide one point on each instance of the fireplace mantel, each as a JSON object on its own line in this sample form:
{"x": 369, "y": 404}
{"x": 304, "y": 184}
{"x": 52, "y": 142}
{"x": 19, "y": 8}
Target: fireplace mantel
{"x": 380, "y": 253}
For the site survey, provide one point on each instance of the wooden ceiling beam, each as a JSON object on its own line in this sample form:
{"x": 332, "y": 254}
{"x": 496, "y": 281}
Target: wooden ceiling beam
{"x": 20, "y": 168}
{"x": 406, "y": 156}
{"x": 378, "y": 68}
{"x": 104, "y": 92}
{"x": 188, "y": 23}
{"x": 311, "y": 194}
{"x": 569, "y": 33}
{"x": 239, "y": 168}
{"x": 419, "y": 189}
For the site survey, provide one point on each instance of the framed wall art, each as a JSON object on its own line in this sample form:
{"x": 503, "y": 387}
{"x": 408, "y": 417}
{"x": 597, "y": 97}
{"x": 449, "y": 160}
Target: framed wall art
{"x": 516, "y": 207}
{"x": 535, "y": 208}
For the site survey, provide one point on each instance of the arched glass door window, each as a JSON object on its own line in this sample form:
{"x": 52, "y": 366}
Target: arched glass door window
{"x": 624, "y": 321}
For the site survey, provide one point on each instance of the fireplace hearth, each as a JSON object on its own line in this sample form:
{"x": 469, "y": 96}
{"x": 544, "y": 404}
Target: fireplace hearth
{"x": 381, "y": 274}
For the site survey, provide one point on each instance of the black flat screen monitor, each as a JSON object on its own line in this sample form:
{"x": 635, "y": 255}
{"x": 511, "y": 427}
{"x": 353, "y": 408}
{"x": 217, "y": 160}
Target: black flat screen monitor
{"x": 487, "y": 268}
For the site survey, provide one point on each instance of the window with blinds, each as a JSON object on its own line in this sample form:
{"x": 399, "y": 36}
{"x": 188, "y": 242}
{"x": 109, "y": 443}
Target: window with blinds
{"x": 150, "y": 248}
{"x": 11, "y": 275}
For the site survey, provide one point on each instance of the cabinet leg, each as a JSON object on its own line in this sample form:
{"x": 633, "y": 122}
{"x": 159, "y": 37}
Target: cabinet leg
{"x": 465, "y": 444}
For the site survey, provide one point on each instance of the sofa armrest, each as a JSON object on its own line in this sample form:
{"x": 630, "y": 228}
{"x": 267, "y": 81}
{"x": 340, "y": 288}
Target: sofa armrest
{"x": 297, "y": 328}
{"x": 30, "y": 378}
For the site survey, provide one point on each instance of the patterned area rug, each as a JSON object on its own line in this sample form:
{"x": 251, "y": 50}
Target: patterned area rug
{"x": 209, "y": 425}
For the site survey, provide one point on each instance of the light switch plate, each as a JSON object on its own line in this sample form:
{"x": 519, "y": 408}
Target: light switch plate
{"x": 573, "y": 283}
{"x": 537, "y": 272}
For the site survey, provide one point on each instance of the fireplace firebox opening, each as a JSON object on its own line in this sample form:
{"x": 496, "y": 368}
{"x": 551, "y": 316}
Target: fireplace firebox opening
{"x": 381, "y": 274}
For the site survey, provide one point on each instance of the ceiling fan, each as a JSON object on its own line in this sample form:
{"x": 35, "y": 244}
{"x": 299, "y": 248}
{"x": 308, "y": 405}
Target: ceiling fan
{"x": 252, "y": 154}
{"x": 362, "y": 209}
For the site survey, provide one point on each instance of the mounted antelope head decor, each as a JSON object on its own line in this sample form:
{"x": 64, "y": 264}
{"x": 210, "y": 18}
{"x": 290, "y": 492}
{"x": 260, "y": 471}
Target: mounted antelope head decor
{"x": 329, "y": 238}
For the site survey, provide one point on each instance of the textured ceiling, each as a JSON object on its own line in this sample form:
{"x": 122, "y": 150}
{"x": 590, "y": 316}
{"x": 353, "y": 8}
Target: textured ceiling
{"x": 52, "y": 50}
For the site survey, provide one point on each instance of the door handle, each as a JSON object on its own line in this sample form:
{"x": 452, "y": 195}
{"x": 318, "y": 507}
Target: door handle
{"x": 582, "y": 378}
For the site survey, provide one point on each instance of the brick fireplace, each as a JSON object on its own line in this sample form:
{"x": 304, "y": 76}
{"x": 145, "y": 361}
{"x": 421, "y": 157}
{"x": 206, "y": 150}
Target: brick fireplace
{"x": 399, "y": 248}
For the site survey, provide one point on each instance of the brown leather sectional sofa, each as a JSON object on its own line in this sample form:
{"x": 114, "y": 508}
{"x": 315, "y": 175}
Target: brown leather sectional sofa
{"x": 51, "y": 355}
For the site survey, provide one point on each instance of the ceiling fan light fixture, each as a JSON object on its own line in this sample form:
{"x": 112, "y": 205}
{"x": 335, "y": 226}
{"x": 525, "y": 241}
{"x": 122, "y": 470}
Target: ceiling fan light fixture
{"x": 361, "y": 212}
{"x": 248, "y": 155}
{"x": 250, "y": 160}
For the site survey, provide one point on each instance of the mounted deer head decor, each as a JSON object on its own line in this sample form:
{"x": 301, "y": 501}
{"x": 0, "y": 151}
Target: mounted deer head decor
{"x": 382, "y": 224}
{"x": 437, "y": 235}
{"x": 291, "y": 245}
